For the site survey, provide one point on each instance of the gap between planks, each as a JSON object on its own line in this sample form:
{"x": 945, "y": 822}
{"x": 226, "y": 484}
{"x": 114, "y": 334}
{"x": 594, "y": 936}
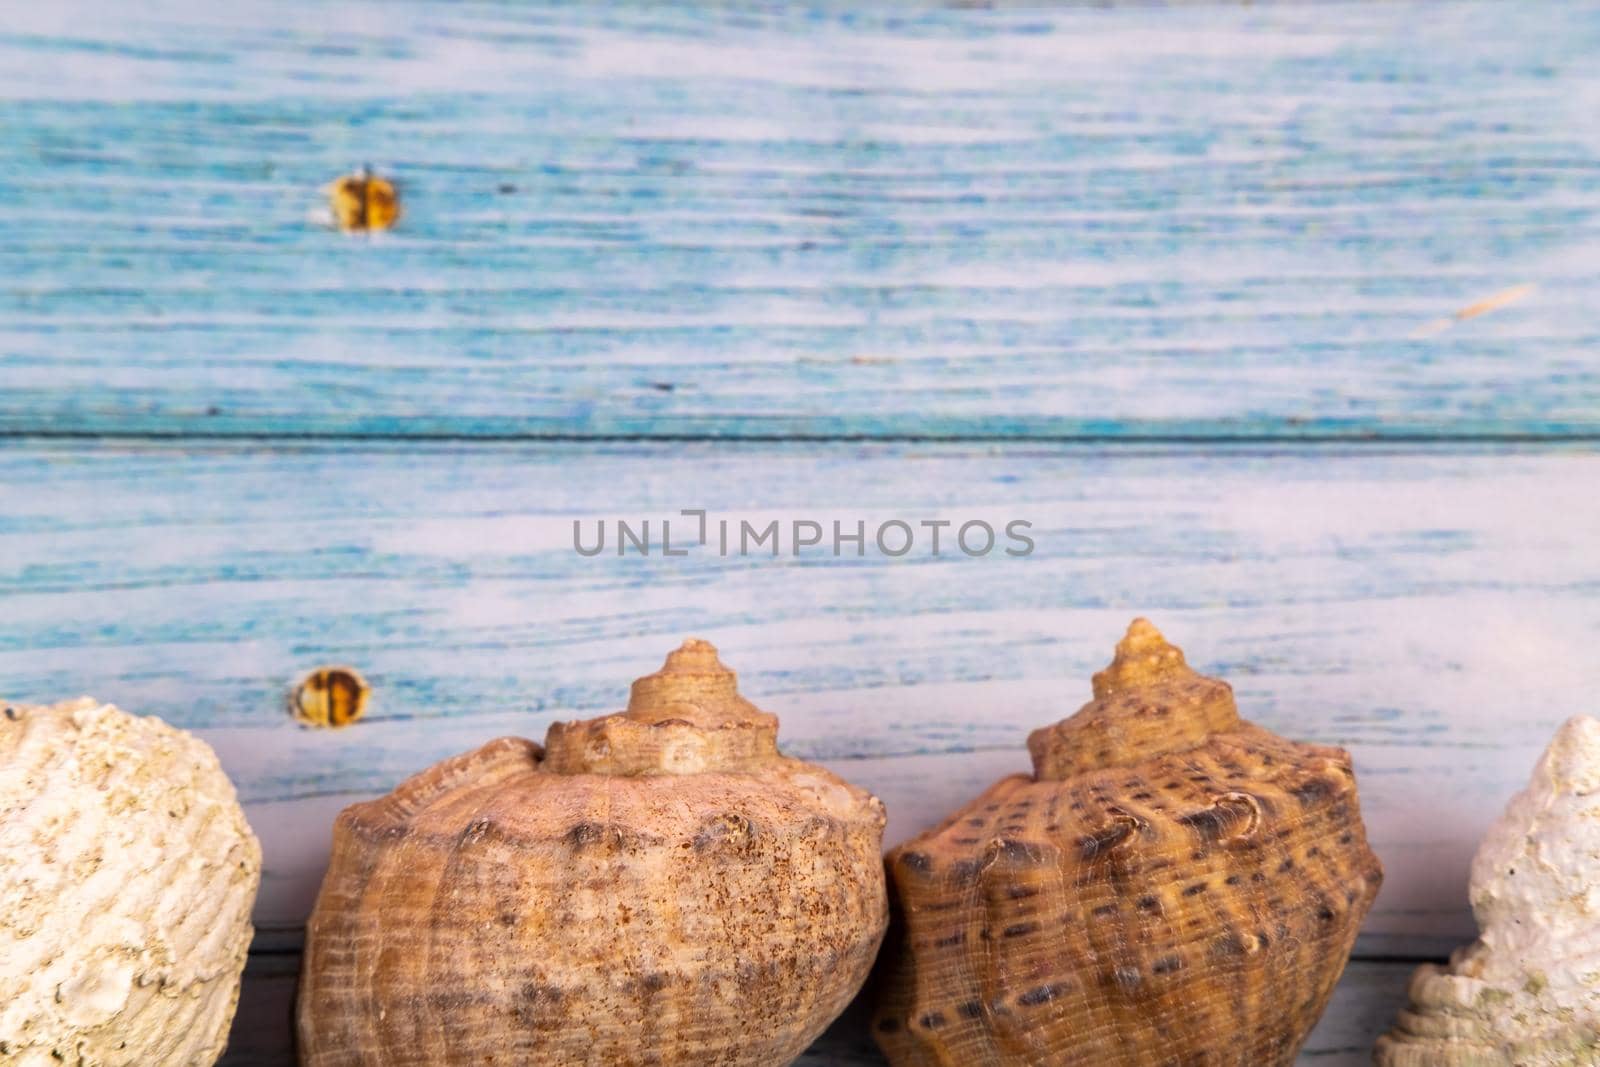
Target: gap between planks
{"x": 1286, "y": 435}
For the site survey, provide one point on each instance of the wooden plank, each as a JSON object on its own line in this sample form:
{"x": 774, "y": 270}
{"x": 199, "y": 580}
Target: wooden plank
{"x": 263, "y": 1027}
{"x": 1128, "y": 223}
{"x": 1435, "y": 611}
{"x": 1363, "y": 1006}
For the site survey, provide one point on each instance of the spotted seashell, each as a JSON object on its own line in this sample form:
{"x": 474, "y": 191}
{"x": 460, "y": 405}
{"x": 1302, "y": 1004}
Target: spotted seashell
{"x": 1172, "y": 885}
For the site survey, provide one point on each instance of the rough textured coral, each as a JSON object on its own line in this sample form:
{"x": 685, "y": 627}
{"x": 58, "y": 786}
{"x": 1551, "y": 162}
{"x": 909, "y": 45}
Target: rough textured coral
{"x": 1172, "y": 886}
{"x": 658, "y": 887}
{"x": 1527, "y": 992}
{"x": 127, "y": 875}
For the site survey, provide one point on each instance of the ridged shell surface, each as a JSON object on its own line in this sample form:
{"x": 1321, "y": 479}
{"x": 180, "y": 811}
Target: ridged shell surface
{"x": 654, "y": 887}
{"x": 1527, "y": 992}
{"x": 1172, "y": 886}
{"x": 127, "y": 876}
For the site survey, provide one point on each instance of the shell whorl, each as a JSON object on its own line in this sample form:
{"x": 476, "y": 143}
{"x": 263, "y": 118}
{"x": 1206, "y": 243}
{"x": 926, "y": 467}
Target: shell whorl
{"x": 686, "y": 718}
{"x": 1148, "y": 702}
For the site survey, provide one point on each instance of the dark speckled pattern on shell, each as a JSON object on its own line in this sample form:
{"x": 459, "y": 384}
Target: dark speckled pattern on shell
{"x": 1173, "y": 887}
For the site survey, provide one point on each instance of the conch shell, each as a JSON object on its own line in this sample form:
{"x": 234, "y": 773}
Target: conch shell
{"x": 1173, "y": 885}
{"x": 127, "y": 874}
{"x": 1527, "y": 992}
{"x": 654, "y": 887}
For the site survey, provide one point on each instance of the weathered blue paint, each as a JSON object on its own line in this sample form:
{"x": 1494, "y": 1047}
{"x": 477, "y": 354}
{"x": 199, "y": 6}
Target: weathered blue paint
{"x": 1130, "y": 223}
{"x": 1106, "y": 227}
{"x": 1431, "y": 609}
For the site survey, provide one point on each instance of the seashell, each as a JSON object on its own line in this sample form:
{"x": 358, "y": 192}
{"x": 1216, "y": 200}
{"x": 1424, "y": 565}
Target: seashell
{"x": 364, "y": 201}
{"x": 1527, "y": 992}
{"x": 656, "y": 886}
{"x": 1172, "y": 885}
{"x": 127, "y": 873}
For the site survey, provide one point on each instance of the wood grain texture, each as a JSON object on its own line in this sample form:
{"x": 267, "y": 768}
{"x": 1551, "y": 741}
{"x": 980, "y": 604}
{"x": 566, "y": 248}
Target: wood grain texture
{"x": 1363, "y": 1006}
{"x": 1130, "y": 223}
{"x": 1206, "y": 224}
{"x": 1434, "y": 611}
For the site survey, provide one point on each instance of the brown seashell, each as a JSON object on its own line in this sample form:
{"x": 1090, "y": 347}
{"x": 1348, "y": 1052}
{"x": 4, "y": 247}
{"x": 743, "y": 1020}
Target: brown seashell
{"x": 658, "y": 886}
{"x": 1173, "y": 885}
{"x": 364, "y": 201}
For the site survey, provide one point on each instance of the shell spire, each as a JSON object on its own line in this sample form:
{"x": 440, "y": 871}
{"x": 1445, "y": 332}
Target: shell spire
{"x": 686, "y": 718}
{"x": 1143, "y": 657}
{"x": 693, "y": 686}
{"x": 1148, "y": 702}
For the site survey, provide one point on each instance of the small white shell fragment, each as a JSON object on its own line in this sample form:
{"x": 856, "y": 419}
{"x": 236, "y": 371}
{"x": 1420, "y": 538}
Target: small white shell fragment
{"x": 127, "y": 877}
{"x": 1527, "y": 992}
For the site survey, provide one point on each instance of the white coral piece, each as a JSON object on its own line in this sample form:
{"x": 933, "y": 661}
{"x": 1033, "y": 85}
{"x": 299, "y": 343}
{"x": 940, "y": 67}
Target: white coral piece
{"x": 127, "y": 876}
{"x": 1527, "y": 992}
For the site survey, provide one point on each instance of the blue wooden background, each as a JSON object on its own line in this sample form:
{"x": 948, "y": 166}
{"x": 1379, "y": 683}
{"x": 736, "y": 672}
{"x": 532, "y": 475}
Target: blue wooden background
{"x": 1276, "y": 322}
